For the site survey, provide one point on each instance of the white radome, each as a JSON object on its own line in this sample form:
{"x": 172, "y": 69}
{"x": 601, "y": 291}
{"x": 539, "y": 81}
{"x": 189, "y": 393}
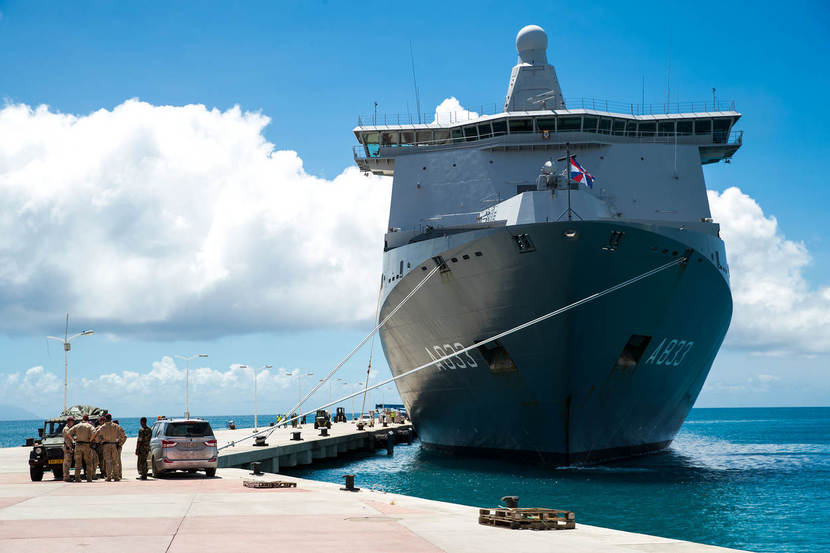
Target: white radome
{"x": 531, "y": 37}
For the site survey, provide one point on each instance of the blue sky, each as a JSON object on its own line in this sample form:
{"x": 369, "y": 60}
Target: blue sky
{"x": 313, "y": 67}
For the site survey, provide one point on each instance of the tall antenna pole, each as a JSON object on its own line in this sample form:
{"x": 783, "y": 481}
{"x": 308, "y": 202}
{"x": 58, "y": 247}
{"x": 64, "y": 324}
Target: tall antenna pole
{"x": 643, "y": 97}
{"x": 668, "y": 74}
{"x": 415, "y": 83}
{"x": 65, "y": 361}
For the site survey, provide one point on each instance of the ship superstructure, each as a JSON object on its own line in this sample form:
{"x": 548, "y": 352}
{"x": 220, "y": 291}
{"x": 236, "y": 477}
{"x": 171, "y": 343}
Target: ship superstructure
{"x": 533, "y": 208}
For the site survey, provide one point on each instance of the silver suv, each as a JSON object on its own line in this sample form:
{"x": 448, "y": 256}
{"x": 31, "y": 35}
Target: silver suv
{"x": 183, "y": 444}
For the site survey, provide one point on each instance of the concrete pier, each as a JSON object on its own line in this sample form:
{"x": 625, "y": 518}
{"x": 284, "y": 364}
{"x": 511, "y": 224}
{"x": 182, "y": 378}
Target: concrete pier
{"x": 281, "y": 451}
{"x": 185, "y": 513}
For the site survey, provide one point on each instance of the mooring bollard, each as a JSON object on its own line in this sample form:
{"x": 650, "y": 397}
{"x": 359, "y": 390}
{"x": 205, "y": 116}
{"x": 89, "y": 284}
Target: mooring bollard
{"x": 255, "y": 468}
{"x": 295, "y": 436}
{"x": 324, "y": 431}
{"x": 390, "y": 442}
{"x": 349, "y": 484}
{"x": 510, "y": 501}
{"x": 259, "y": 441}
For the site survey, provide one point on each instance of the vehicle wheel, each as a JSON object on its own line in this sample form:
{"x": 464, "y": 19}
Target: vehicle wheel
{"x": 36, "y": 473}
{"x": 57, "y": 471}
{"x": 153, "y": 469}
{"x": 210, "y": 473}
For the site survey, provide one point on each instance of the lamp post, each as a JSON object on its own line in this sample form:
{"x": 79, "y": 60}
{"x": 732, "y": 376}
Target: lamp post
{"x": 300, "y": 394}
{"x": 255, "y": 376}
{"x": 187, "y": 381}
{"x": 66, "y": 347}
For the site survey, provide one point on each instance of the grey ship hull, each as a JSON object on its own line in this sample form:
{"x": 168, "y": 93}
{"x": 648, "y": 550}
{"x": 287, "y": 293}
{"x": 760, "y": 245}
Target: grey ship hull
{"x": 558, "y": 392}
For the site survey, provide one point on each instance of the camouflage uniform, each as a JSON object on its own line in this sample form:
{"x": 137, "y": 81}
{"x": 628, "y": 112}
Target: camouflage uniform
{"x": 107, "y": 434}
{"x": 122, "y": 438}
{"x": 142, "y": 450}
{"x": 67, "y": 451}
{"x": 83, "y": 432}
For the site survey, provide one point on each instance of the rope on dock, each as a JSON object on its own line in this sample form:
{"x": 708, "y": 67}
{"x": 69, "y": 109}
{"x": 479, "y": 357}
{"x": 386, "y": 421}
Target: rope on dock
{"x": 679, "y": 261}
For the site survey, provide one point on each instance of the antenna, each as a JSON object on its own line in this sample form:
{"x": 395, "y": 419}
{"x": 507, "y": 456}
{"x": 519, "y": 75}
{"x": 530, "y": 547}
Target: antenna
{"x": 643, "y": 97}
{"x": 415, "y": 82}
{"x": 668, "y": 73}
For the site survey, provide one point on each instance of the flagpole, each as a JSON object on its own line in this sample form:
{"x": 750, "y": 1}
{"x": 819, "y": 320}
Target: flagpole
{"x": 568, "y": 175}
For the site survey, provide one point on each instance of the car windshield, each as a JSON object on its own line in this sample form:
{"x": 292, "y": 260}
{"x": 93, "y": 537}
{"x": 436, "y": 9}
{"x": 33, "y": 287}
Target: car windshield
{"x": 188, "y": 429}
{"x": 54, "y": 428}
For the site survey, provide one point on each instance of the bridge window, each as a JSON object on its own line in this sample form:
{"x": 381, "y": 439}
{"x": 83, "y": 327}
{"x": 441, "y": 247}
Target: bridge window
{"x": 684, "y": 127}
{"x": 619, "y": 127}
{"x": 499, "y": 127}
{"x": 521, "y": 125}
{"x": 457, "y": 135}
{"x": 720, "y": 130}
{"x": 647, "y": 129}
{"x": 470, "y": 133}
{"x": 548, "y": 124}
{"x": 665, "y": 128}
{"x": 569, "y": 124}
{"x": 604, "y": 126}
{"x": 484, "y": 130}
{"x": 589, "y": 124}
{"x": 442, "y": 136}
{"x": 407, "y": 138}
{"x": 703, "y": 126}
{"x": 631, "y": 128}
{"x": 388, "y": 139}
{"x": 423, "y": 137}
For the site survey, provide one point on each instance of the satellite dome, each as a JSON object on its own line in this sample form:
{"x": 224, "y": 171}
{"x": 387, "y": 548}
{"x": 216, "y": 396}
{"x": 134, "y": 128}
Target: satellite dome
{"x": 531, "y": 37}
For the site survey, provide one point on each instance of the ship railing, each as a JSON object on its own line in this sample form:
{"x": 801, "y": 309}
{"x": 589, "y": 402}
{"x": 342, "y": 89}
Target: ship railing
{"x": 733, "y": 137}
{"x": 586, "y": 103}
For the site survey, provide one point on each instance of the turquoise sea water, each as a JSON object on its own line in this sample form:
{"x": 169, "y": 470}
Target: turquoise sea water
{"x": 756, "y": 479}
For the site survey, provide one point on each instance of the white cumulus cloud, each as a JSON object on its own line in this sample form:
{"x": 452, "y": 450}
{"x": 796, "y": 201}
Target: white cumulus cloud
{"x": 451, "y": 111}
{"x": 775, "y": 308}
{"x": 163, "y": 221}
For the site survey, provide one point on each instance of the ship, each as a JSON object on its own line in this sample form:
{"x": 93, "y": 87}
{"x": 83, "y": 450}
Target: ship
{"x": 542, "y": 203}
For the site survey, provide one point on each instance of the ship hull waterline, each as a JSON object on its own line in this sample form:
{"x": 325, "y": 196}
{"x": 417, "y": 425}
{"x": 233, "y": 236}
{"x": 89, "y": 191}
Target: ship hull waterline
{"x": 567, "y": 390}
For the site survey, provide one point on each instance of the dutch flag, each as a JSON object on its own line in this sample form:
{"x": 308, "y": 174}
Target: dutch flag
{"x": 580, "y": 175}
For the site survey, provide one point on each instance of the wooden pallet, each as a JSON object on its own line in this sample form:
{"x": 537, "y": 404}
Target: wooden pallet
{"x": 268, "y": 484}
{"x": 528, "y": 518}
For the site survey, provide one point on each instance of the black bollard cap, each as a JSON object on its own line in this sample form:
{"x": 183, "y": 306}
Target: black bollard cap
{"x": 510, "y": 501}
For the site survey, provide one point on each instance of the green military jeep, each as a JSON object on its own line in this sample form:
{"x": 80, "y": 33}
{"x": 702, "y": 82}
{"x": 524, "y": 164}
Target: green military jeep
{"x": 47, "y": 452}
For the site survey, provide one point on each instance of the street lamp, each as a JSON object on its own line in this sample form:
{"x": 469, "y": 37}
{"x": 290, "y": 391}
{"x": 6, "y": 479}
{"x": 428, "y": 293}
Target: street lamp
{"x": 66, "y": 347}
{"x": 300, "y": 394}
{"x": 187, "y": 381}
{"x": 255, "y": 375}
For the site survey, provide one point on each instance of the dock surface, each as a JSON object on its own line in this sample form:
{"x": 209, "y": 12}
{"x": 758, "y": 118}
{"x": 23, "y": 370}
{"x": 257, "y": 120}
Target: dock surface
{"x": 189, "y": 512}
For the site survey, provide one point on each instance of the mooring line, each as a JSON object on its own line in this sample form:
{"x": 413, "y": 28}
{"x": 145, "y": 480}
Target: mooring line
{"x": 554, "y": 313}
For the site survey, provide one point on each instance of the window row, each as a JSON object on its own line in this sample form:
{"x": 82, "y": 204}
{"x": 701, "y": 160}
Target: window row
{"x": 718, "y": 128}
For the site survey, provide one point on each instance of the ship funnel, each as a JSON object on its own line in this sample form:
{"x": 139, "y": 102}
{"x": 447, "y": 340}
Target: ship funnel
{"x": 533, "y": 82}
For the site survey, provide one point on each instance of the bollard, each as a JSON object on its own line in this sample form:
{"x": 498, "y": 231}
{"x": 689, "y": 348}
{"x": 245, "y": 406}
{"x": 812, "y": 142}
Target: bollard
{"x": 255, "y": 468}
{"x": 390, "y": 442}
{"x": 360, "y": 426}
{"x": 324, "y": 431}
{"x": 30, "y": 442}
{"x": 295, "y": 436}
{"x": 510, "y": 501}
{"x": 349, "y": 484}
{"x": 259, "y": 441}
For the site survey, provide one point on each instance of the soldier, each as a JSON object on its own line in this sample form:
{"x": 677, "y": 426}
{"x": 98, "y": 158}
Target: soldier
{"x": 82, "y": 433}
{"x": 122, "y": 438}
{"x": 97, "y": 451}
{"x": 107, "y": 434}
{"x": 142, "y": 448}
{"x": 67, "y": 449}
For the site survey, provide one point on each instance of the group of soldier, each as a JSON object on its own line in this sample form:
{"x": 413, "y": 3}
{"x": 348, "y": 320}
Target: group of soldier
{"x": 78, "y": 439}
